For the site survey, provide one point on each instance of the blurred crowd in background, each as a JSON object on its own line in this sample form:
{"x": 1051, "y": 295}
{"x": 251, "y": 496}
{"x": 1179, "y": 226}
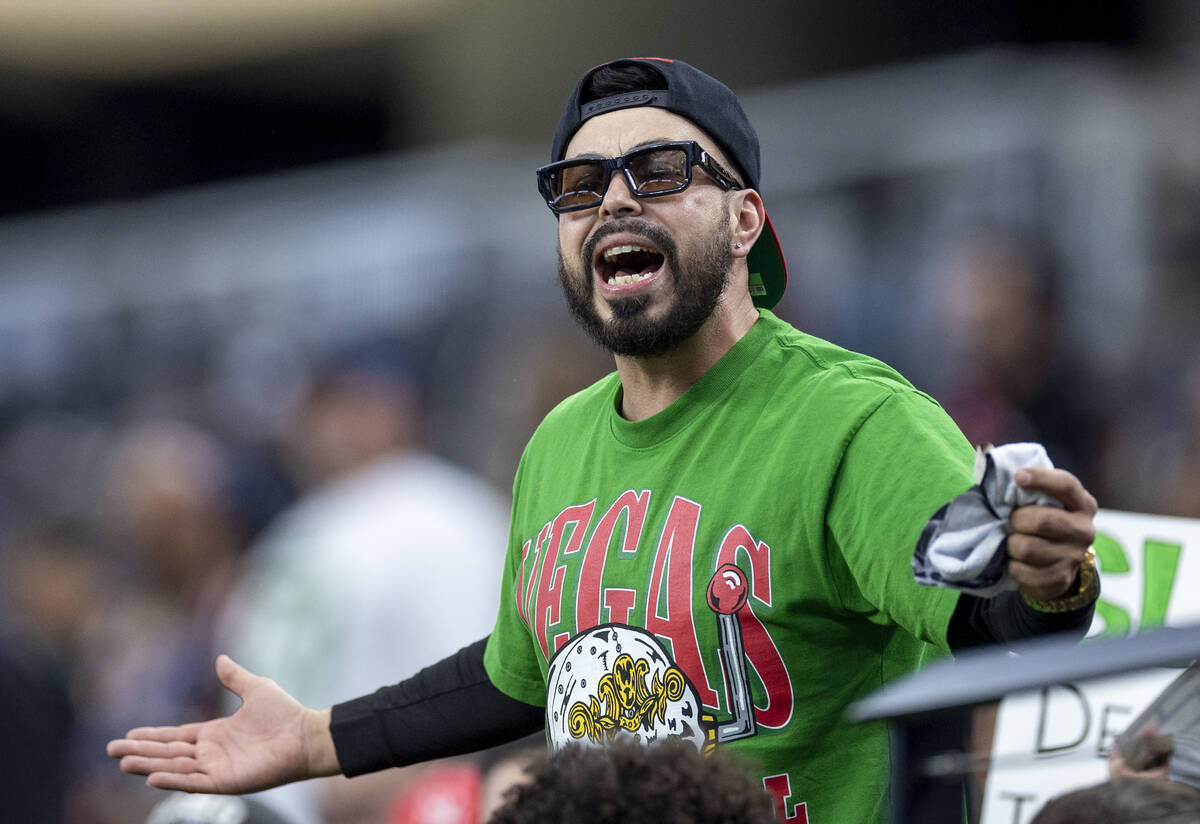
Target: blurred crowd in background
{"x": 279, "y": 418}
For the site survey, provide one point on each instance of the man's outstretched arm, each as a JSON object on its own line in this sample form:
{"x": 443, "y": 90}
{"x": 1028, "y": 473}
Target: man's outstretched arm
{"x": 448, "y": 708}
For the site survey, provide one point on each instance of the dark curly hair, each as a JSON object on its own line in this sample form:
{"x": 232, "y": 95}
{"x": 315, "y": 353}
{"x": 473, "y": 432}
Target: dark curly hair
{"x": 626, "y": 783}
{"x": 1125, "y": 801}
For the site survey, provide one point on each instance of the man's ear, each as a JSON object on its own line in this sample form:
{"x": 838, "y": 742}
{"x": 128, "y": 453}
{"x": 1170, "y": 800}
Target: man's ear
{"x": 747, "y": 217}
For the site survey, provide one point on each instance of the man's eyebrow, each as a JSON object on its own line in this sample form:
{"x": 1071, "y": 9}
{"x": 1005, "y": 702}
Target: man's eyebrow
{"x": 654, "y": 141}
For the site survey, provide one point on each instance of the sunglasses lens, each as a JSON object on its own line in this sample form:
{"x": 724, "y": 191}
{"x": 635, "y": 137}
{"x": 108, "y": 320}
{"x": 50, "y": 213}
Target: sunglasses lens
{"x": 659, "y": 171}
{"x": 577, "y": 185}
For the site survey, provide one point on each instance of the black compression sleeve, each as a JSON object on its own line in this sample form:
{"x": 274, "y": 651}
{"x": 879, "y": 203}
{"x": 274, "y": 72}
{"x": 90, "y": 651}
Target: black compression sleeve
{"x": 1007, "y": 618}
{"x": 449, "y": 708}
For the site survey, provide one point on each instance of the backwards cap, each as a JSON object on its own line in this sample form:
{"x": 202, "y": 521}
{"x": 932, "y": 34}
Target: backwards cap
{"x": 711, "y": 105}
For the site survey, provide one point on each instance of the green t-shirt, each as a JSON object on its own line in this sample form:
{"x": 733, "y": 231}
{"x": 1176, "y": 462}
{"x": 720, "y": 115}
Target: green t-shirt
{"x": 808, "y": 468}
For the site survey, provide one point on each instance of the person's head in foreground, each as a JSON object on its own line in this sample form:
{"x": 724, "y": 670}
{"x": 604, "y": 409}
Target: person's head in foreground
{"x": 1125, "y": 801}
{"x": 627, "y": 783}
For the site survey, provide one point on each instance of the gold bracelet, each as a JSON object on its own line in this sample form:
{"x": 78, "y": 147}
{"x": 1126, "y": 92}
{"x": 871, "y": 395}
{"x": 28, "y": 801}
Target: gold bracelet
{"x": 1086, "y": 591}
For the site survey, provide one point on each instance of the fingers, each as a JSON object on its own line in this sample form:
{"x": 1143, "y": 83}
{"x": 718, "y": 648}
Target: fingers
{"x": 152, "y": 749}
{"x": 1118, "y": 768}
{"x": 233, "y": 675}
{"x": 187, "y": 782}
{"x": 1044, "y": 568}
{"x": 1060, "y": 485}
{"x": 1044, "y": 583}
{"x": 1046, "y": 544}
{"x": 155, "y": 741}
{"x": 186, "y": 732}
{"x": 1053, "y": 524}
{"x": 142, "y": 765}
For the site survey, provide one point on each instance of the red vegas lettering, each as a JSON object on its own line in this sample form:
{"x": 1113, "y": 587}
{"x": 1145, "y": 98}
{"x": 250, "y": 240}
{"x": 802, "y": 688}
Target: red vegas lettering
{"x": 672, "y": 576}
{"x": 739, "y": 539}
{"x": 529, "y": 586}
{"x": 780, "y": 789}
{"x": 587, "y": 604}
{"x": 549, "y": 591}
{"x": 619, "y": 603}
{"x": 522, "y": 605}
{"x": 761, "y": 652}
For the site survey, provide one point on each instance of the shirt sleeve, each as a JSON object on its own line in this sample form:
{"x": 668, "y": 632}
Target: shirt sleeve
{"x": 512, "y": 659}
{"x": 903, "y": 462}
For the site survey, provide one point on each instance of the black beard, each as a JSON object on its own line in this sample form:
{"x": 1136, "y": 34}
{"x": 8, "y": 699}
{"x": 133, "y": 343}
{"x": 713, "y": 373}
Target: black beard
{"x": 699, "y": 282}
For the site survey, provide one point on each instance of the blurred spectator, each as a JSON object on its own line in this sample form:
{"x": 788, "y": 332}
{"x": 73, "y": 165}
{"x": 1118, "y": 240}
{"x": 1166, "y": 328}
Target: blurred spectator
{"x": 1178, "y": 476}
{"x": 169, "y": 490}
{"x": 1013, "y": 381}
{"x": 626, "y": 783}
{"x": 1153, "y": 463}
{"x": 54, "y": 589}
{"x": 1125, "y": 801}
{"x": 134, "y": 621}
{"x": 389, "y": 557}
{"x": 527, "y": 370}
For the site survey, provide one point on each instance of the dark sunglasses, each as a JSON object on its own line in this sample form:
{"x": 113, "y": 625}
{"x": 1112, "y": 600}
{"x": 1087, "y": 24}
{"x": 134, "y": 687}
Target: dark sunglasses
{"x": 658, "y": 169}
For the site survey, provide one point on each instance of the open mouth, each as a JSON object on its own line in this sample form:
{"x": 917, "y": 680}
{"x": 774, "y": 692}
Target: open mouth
{"x": 627, "y": 264}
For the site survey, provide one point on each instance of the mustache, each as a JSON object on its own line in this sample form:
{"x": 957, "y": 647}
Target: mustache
{"x": 633, "y": 225}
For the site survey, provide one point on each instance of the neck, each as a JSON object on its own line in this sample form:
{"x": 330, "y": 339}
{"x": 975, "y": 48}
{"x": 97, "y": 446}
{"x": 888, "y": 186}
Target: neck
{"x": 651, "y": 384}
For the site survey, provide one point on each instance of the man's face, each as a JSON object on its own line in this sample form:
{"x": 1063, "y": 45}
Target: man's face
{"x": 643, "y": 275}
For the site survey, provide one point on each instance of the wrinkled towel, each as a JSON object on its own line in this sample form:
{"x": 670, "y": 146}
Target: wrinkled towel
{"x": 963, "y": 544}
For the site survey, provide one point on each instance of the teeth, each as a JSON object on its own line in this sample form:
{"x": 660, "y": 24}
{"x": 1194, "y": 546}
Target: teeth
{"x": 611, "y": 254}
{"x": 621, "y": 280}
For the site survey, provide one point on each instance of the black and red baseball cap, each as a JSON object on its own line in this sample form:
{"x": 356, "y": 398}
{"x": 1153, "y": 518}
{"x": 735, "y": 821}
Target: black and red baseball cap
{"x": 711, "y": 105}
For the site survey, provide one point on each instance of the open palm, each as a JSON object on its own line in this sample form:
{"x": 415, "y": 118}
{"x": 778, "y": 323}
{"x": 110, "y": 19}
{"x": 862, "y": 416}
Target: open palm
{"x": 270, "y": 740}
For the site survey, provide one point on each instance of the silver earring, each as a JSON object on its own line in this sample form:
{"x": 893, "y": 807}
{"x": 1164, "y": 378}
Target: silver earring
{"x": 739, "y": 246}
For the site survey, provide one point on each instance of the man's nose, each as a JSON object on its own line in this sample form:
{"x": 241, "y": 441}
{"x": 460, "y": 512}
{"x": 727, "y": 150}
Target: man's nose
{"x": 619, "y": 200}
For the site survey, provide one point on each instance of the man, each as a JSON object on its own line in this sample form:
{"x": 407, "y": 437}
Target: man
{"x": 713, "y": 543}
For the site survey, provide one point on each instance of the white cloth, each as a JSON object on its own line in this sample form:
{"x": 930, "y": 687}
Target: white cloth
{"x": 963, "y": 545}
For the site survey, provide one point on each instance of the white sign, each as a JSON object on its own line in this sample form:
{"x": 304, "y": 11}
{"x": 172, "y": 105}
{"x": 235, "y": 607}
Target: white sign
{"x": 1056, "y": 740}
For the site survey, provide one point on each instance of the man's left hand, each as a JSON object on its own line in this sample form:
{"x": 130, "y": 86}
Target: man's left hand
{"x": 1046, "y": 544}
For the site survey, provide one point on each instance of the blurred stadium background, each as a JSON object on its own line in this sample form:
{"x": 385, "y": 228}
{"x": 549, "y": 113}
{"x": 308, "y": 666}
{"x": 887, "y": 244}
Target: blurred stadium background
{"x": 202, "y": 200}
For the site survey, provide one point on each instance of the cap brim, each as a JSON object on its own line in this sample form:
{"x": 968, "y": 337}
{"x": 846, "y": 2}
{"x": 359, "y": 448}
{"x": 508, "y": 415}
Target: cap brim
{"x": 768, "y": 271}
